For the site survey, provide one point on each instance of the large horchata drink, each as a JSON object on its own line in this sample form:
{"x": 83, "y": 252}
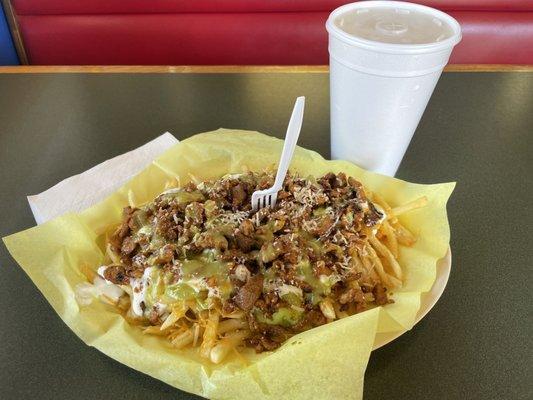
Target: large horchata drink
{"x": 385, "y": 60}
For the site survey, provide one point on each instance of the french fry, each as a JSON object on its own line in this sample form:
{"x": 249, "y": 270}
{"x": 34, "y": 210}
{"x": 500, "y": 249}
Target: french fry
{"x": 210, "y": 334}
{"x": 225, "y": 345}
{"x": 385, "y": 253}
{"x": 356, "y": 262}
{"x": 412, "y": 205}
{"x": 231, "y": 325}
{"x": 391, "y": 241}
{"x": 326, "y": 306}
{"x": 195, "y": 179}
{"x": 155, "y": 330}
{"x": 124, "y": 303}
{"x": 369, "y": 267}
{"x": 88, "y": 272}
{"x": 379, "y": 267}
{"x": 172, "y": 183}
{"x": 374, "y": 275}
{"x": 108, "y": 300}
{"x": 369, "y": 297}
{"x": 176, "y": 331}
{"x": 403, "y": 235}
{"x": 395, "y": 282}
{"x": 114, "y": 257}
{"x": 183, "y": 339}
{"x": 366, "y": 261}
{"x": 233, "y": 315}
{"x": 178, "y": 311}
{"x": 132, "y": 201}
{"x": 132, "y": 319}
{"x": 197, "y": 331}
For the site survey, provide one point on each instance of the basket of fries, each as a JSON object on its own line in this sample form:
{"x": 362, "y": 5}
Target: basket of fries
{"x": 176, "y": 276}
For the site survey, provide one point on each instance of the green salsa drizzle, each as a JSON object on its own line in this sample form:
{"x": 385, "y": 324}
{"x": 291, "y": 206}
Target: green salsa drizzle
{"x": 284, "y": 316}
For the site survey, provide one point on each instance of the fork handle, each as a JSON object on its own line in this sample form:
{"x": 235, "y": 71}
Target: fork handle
{"x": 291, "y": 138}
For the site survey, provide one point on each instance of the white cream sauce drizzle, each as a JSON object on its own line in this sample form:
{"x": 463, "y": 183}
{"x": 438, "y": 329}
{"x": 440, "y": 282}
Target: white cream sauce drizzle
{"x": 139, "y": 288}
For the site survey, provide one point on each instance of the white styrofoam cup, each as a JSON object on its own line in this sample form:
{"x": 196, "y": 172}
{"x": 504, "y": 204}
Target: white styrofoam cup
{"x": 380, "y": 90}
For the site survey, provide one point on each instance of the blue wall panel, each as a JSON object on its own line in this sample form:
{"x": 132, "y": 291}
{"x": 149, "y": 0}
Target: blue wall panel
{"x": 8, "y": 55}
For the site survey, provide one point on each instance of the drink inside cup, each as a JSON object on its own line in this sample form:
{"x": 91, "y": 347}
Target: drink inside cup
{"x": 385, "y": 60}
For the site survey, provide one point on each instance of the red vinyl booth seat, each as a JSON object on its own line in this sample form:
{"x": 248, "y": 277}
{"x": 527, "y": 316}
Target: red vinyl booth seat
{"x": 239, "y": 32}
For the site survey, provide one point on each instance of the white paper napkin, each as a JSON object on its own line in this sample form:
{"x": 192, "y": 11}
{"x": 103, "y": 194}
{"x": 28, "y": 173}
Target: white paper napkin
{"x": 88, "y": 188}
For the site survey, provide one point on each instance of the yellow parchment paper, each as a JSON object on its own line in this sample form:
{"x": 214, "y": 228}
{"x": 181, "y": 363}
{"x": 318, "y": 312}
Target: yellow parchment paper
{"x": 324, "y": 363}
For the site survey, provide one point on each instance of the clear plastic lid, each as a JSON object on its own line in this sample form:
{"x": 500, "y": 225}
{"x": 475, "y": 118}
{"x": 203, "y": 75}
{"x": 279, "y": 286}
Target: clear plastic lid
{"x": 394, "y": 23}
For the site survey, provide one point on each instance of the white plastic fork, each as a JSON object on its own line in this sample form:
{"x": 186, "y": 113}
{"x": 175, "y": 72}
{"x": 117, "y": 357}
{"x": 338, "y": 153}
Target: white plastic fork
{"x": 268, "y": 197}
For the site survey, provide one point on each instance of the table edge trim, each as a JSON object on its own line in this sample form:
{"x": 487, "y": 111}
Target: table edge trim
{"x": 219, "y": 69}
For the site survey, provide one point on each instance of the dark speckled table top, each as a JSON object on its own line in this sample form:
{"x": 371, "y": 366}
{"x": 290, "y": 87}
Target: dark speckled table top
{"x": 478, "y": 130}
